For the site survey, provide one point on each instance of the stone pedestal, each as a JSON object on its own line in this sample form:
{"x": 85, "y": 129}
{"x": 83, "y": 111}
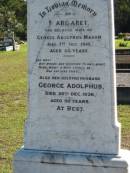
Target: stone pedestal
{"x": 33, "y": 161}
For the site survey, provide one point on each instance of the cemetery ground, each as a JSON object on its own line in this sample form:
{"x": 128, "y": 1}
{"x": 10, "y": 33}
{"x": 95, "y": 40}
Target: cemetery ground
{"x": 13, "y": 107}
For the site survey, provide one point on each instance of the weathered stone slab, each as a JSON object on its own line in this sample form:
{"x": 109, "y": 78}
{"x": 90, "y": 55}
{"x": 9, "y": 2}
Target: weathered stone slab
{"x": 123, "y": 88}
{"x": 32, "y": 161}
{"x": 72, "y": 89}
{"x": 123, "y": 79}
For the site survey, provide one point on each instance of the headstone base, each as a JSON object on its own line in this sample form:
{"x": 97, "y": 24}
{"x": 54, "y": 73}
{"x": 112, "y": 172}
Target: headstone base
{"x": 33, "y": 161}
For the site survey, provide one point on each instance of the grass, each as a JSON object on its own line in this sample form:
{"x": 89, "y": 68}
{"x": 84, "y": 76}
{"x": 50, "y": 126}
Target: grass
{"x": 13, "y": 110}
{"x": 121, "y": 41}
{"x": 124, "y": 118}
{"x": 13, "y": 91}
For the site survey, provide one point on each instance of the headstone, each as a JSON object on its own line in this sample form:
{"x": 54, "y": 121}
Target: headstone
{"x": 72, "y": 124}
{"x": 6, "y": 44}
{"x": 123, "y": 87}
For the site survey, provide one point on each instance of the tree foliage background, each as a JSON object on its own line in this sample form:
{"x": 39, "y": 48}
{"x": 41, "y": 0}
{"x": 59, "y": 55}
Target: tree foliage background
{"x": 122, "y": 16}
{"x": 13, "y": 16}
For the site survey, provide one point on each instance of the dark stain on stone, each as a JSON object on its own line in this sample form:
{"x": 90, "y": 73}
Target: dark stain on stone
{"x": 48, "y": 158}
{"x": 89, "y": 158}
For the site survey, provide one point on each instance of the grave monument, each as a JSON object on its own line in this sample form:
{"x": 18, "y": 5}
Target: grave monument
{"x": 72, "y": 125}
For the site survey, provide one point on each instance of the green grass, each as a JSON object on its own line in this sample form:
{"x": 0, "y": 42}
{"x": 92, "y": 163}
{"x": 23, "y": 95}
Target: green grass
{"x": 13, "y": 91}
{"x": 13, "y": 110}
{"x": 124, "y": 118}
{"x": 118, "y": 41}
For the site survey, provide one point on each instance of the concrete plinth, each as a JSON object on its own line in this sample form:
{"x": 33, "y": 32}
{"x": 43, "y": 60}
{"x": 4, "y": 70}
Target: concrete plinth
{"x": 33, "y": 161}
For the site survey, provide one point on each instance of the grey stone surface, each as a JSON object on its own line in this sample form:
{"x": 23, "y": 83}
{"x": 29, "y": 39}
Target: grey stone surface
{"x": 72, "y": 90}
{"x": 72, "y": 99}
{"x": 123, "y": 79}
{"x": 33, "y": 161}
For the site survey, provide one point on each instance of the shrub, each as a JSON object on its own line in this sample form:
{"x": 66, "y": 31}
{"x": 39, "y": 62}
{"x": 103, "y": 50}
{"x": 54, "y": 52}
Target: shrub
{"x": 122, "y": 44}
